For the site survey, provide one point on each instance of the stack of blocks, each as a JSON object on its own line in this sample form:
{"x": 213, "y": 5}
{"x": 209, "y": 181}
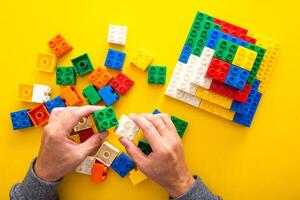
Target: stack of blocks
{"x": 222, "y": 69}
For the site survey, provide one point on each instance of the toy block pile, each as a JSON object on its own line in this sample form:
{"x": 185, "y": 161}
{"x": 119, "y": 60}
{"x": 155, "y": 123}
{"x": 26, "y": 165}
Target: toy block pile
{"x": 223, "y": 69}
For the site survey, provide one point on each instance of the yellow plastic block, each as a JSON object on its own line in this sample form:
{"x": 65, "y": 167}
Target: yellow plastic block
{"x": 25, "y": 92}
{"x": 46, "y": 62}
{"x": 244, "y": 58}
{"x": 217, "y": 110}
{"x": 136, "y": 176}
{"x": 142, "y": 59}
{"x": 75, "y": 138}
{"x": 213, "y": 97}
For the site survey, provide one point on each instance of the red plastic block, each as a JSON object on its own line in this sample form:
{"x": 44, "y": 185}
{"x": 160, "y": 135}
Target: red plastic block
{"x": 71, "y": 96}
{"x": 121, "y": 83}
{"x": 218, "y": 69}
{"x": 85, "y": 134}
{"x": 233, "y": 93}
{"x": 225, "y": 24}
{"x": 233, "y": 32}
{"x": 39, "y": 115}
{"x": 249, "y": 39}
{"x": 59, "y": 45}
{"x": 99, "y": 173}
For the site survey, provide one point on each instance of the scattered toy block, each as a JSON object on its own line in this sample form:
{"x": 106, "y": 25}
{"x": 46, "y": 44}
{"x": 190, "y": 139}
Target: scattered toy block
{"x": 157, "y": 74}
{"x": 105, "y": 119}
{"x": 65, "y": 76}
{"x": 217, "y": 110}
{"x": 41, "y": 93}
{"x": 122, "y": 165}
{"x": 91, "y": 94}
{"x": 115, "y": 59}
{"x": 145, "y": 147}
{"x": 180, "y": 125}
{"x": 86, "y": 166}
{"x": 85, "y": 134}
{"x": 117, "y": 34}
{"x": 156, "y": 112}
{"x": 107, "y": 153}
{"x": 39, "y": 115}
{"x": 108, "y": 95}
{"x": 25, "y": 92}
{"x": 20, "y": 119}
{"x": 244, "y": 58}
{"x": 82, "y": 64}
{"x": 71, "y": 96}
{"x": 126, "y": 128}
{"x": 46, "y": 62}
{"x": 185, "y": 54}
{"x": 100, "y": 77}
{"x": 226, "y": 50}
{"x": 57, "y": 102}
{"x": 121, "y": 83}
{"x": 75, "y": 138}
{"x": 99, "y": 173}
{"x": 59, "y": 45}
{"x": 218, "y": 70}
{"x": 136, "y": 176}
{"x": 237, "y": 77}
{"x": 142, "y": 59}
{"x": 84, "y": 123}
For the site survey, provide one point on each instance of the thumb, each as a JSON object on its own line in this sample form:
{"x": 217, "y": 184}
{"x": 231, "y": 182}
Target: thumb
{"x": 87, "y": 147}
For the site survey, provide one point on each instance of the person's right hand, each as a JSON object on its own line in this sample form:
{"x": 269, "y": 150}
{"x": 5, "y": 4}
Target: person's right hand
{"x": 166, "y": 164}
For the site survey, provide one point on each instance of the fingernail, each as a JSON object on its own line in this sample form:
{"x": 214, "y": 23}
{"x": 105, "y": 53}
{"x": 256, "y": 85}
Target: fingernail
{"x": 123, "y": 141}
{"x": 103, "y": 135}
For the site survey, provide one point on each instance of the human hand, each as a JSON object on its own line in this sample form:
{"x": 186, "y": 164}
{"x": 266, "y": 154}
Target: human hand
{"x": 59, "y": 155}
{"x": 166, "y": 164}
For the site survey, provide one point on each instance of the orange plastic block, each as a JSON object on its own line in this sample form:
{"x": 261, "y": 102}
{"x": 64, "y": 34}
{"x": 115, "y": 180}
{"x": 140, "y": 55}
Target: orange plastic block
{"x": 71, "y": 96}
{"x": 99, "y": 173}
{"x": 25, "y": 92}
{"x": 39, "y": 115}
{"x": 100, "y": 77}
{"x": 59, "y": 45}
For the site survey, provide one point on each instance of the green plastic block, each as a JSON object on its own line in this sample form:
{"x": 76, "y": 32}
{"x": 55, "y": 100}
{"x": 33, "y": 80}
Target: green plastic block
{"x": 145, "y": 147}
{"x": 91, "y": 94}
{"x": 82, "y": 64}
{"x": 180, "y": 125}
{"x": 105, "y": 119}
{"x": 157, "y": 74}
{"x": 65, "y": 76}
{"x": 260, "y": 55}
{"x": 225, "y": 50}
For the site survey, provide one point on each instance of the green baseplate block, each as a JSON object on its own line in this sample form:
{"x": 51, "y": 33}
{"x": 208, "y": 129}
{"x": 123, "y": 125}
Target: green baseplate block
{"x": 82, "y": 64}
{"x": 65, "y": 76}
{"x": 105, "y": 119}
{"x": 157, "y": 74}
{"x": 91, "y": 94}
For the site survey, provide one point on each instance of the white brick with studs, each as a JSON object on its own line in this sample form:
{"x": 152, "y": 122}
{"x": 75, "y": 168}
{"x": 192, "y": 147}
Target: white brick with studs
{"x": 117, "y": 34}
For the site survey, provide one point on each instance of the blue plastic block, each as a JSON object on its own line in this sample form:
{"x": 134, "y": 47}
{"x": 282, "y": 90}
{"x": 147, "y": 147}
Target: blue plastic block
{"x": 156, "y": 111}
{"x": 115, "y": 59}
{"x": 237, "y": 77}
{"x": 185, "y": 54}
{"x": 55, "y": 103}
{"x": 213, "y": 38}
{"x": 20, "y": 119}
{"x": 244, "y": 108}
{"x": 108, "y": 95}
{"x": 122, "y": 165}
{"x": 246, "y": 120}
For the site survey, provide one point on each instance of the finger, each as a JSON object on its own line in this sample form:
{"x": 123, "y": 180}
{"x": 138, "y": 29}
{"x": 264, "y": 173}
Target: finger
{"x": 94, "y": 142}
{"x": 167, "y": 121}
{"x": 55, "y": 112}
{"x": 158, "y": 123}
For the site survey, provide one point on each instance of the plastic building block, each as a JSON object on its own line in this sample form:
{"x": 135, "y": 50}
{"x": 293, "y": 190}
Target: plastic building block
{"x": 65, "y": 76}
{"x": 244, "y": 58}
{"x": 122, "y": 165}
{"x": 55, "y": 103}
{"x": 20, "y": 119}
{"x": 214, "y": 97}
{"x": 86, "y": 166}
{"x": 85, "y": 134}
{"x": 157, "y": 74}
{"x": 249, "y": 39}
{"x": 257, "y": 63}
{"x": 142, "y": 59}
{"x": 115, "y": 59}
{"x": 71, "y": 96}
{"x": 230, "y": 26}
{"x": 108, "y": 95}
{"x": 121, "y": 83}
{"x": 105, "y": 119}
{"x": 136, "y": 176}
{"x": 185, "y": 54}
{"x": 230, "y": 92}
{"x": 156, "y": 112}
{"x": 82, "y": 64}
{"x": 217, "y": 110}
{"x": 213, "y": 39}
{"x": 226, "y": 50}
{"x": 237, "y": 77}
{"x": 39, "y": 115}
{"x": 41, "y": 93}
{"x": 98, "y": 173}
{"x": 59, "y": 45}
{"x": 145, "y": 147}
{"x": 218, "y": 70}
{"x": 117, "y": 34}
{"x": 84, "y": 123}
{"x": 91, "y": 94}
{"x": 126, "y": 128}
{"x": 46, "y": 62}
{"x": 107, "y": 153}
{"x": 25, "y": 92}
{"x": 233, "y": 32}
{"x": 75, "y": 138}
{"x": 100, "y": 77}
{"x": 180, "y": 125}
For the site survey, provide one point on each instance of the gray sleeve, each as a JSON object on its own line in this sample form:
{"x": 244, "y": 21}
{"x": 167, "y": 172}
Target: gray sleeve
{"x": 198, "y": 192}
{"x": 33, "y": 187}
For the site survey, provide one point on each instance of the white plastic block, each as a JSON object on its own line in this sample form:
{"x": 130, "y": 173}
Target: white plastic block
{"x": 107, "y": 153}
{"x": 175, "y": 78}
{"x": 83, "y": 124}
{"x": 126, "y": 128}
{"x": 188, "y": 98}
{"x": 117, "y": 34}
{"x": 41, "y": 93}
{"x": 86, "y": 166}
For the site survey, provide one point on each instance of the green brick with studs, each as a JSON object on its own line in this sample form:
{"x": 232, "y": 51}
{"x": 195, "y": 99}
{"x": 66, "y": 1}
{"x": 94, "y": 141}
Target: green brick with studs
{"x": 82, "y": 64}
{"x": 105, "y": 119}
{"x": 65, "y": 76}
{"x": 258, "y": 60}
{"x": 145, "y": 147}
{"x": 180, "y": 125}
{"x": 91, "y": 94}
{"x": 225, "y": 50}
{"x": 157, "y": 74}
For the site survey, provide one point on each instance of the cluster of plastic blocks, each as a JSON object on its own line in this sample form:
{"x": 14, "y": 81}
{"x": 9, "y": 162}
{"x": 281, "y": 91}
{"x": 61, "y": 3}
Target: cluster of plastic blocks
{"x": 223, "y": 69}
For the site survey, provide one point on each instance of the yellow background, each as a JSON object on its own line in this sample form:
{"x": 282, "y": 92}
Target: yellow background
{"x": 262, "y": 162}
